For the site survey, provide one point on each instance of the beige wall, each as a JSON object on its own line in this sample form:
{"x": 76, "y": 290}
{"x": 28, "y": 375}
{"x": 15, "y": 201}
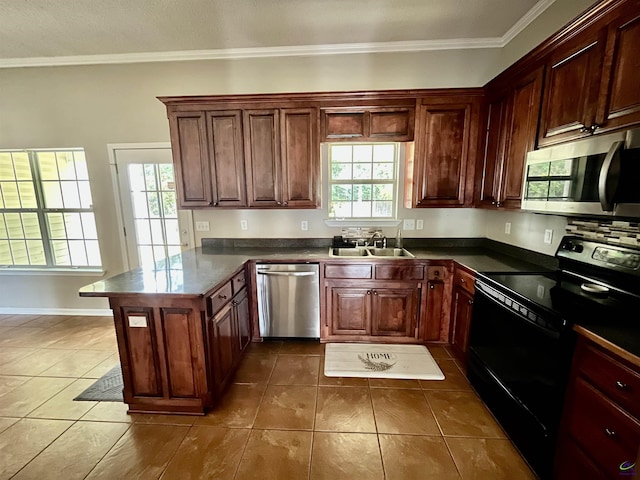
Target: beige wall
{"x": 92, "y": 106}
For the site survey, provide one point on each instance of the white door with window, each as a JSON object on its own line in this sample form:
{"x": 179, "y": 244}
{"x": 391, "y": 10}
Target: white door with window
{"x": 153, "y": 226}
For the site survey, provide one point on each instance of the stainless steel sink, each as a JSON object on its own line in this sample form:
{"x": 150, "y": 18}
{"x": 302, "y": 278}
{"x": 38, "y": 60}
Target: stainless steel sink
{"x": 391, "y": 252}
{"x": 370, "y": 252}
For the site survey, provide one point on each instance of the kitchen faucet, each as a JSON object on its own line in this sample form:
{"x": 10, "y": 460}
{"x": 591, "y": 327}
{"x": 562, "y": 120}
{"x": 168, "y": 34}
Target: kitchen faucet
{"x": 383, "y": 240}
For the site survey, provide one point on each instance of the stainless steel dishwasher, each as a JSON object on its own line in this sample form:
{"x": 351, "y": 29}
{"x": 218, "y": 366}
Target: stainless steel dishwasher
{"x": 289, "y": 300}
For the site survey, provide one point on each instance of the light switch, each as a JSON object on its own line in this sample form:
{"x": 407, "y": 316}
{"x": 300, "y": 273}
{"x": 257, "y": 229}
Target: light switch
{"x": 409, "y": 224}
{"x": 202, "y": 226}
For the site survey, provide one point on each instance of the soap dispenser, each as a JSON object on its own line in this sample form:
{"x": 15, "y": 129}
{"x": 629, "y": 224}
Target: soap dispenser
{"x": 399, "y": 239}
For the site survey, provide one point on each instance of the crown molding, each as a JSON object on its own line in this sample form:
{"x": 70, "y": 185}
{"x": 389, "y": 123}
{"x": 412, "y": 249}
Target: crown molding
{"x": 285, "y": 51}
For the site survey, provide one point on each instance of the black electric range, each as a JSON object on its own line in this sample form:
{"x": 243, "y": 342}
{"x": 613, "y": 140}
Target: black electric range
{"x": 522, "y": 338}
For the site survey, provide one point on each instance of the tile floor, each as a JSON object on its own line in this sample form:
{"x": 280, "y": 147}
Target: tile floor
{"x": 282, "y": 419}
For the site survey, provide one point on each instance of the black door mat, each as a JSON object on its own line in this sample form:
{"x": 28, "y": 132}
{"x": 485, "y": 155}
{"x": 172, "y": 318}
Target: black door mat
{"x": 107, "y": 388}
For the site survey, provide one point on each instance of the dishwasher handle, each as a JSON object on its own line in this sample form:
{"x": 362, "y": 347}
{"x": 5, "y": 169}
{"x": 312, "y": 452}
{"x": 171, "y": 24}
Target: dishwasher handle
{"x": 286, "y": 274}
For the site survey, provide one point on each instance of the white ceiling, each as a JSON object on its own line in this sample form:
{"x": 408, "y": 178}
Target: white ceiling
{"x": 57, "y": 32}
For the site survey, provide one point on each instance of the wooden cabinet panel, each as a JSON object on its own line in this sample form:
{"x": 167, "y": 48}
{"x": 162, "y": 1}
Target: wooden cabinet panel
{"x": 572, "y": 85}
{"x": 435, "y": 299}
{"x": 350, "y": 310}
{"x": 442, "y": 151}
{"x": 399, "y": 272}
{"x": 178, "y": 351}
{"x": 494, "y": 154}
{"x": 225, "y": 340}
{"x": 383, "y": 124}
{"x": 220, "y": 297}
{"x": 191, "y": 159}
{"x": 226, "y": 156}
{"x": 262, "y": 156}
{"x": 464, "y": 280}
{"x": 574, "y": 464}
{"x": 347, "y": 271}
{"x": 300, "y": 158}
{"x": 394, "y": 311}
{"x": 620, "y": 96}
{"x": 140, "y": 347}
{"x": 461, "y": 313}
{"x": 238, "y": 282}
{"x": 522, "y": 124}
{"x": 605, "y": 432}
{"x": 243, "y": 317}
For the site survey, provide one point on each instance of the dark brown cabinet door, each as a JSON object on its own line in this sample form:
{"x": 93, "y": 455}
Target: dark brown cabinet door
{"x": 225, "y": 341}
{"x": 620, "y": 94}
{"x": 394, "y": 311}
{"x": 462, "y": 311}
{"x": 490, "y": 180}
{"x": 435, "y": 298}
{"x": 227, "y": 158}
{"x": 300, "y": 158}
{"x": 350, "y": 310}
{"x": 243, "y": 320}
{"x": 191, "y": 159}
{"x": 262, "y": 157}
{"x": 572, "y": 86}
{"x": 522, "y": 125}
{"x": 352, "y": 124}
{"x": 442, "y": 148}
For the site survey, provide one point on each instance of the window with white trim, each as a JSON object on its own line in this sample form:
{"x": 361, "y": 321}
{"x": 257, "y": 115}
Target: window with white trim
{"x": 46, "y": 210}
{"x": 363, "y": 180}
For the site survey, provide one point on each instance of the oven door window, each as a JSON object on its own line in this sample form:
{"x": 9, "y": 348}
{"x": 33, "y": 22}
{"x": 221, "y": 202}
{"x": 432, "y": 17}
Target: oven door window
{"x": 529, "y": 361}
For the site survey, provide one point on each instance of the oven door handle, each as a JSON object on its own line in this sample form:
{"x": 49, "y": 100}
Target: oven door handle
{"x": 610, "y": 177}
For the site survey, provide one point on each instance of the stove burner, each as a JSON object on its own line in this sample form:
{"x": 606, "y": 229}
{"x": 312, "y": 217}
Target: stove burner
{"x": 594, "y": 289}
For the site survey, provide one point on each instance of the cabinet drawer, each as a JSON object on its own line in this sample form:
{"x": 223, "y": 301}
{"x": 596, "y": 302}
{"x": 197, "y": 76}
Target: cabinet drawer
{"x": 220, "y": 297}
{"x": 464, "y": 280}
{"x": 607, "y": 433}
{"x": 436, "y": 273}
{"x": 617, "y": 381}
{"x": 347, "y": 271}
{"x": 399, "y": 272}
{"x": 239, "y": 281}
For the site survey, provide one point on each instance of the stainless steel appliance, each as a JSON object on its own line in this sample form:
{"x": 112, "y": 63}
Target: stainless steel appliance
{"x": 596, "y": 176}
{"x": 522, "y": 338}
{"x": 289, "y": 300}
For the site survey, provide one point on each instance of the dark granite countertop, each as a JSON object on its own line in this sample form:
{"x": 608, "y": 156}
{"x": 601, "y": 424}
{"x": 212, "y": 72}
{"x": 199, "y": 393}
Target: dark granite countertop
{"x": 195, "y": 272}
{"x": 622, "y": 340}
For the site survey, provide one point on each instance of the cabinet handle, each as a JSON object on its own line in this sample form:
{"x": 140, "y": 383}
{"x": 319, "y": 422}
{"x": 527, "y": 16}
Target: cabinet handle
{"x": 437, "y": 273}
{"x": 470, "y": 302}
{"x": 584, "y": 130}
{"x": 368, "y": 292}
{"x": 222, "y": 297}
{"x": 375, "y": 292}
{"x": 278, "y": 203}
{"x": 215, "y": 204}
{"x": 432, "y": 286}
{"x": 462, "y": 280}
{"x": 234, "y": 303}
{"x": 594, "y": 127}
{"x": 622, "y": 385}
{"x": 609, "y": 433}
{"x": 284, "y": 204}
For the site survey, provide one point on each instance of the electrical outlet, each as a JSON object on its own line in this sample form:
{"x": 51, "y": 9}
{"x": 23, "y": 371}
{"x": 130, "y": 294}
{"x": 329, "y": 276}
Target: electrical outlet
{"x": 409, "y": 224}
{"x": 244, "y": 225}
{"x": 304, "y": 225}
{"x": 548, "y": 235}
{"x": 419, "y": 224}
{"x": 507, "y": 228}
{"x": 202, "y": 226}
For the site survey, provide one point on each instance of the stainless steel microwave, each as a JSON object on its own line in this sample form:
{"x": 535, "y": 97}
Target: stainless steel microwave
{"x": 599, "y": 175}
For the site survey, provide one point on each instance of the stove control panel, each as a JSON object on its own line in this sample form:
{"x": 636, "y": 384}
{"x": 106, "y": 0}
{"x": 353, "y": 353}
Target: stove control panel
{"x": 583, "y": 251}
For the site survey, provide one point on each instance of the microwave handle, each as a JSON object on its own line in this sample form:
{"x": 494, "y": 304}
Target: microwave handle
{"x": 610, "y": 177}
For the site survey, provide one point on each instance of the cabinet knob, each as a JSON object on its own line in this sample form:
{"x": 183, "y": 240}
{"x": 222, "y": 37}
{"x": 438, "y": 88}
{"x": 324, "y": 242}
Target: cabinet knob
{"x": 285, "y": 204}
{"x": 432, "y": 286}
{"x": 462, "y": 280}
{"x": 234, "y": 303}
{"x": 621, "y": 385}
{"x": 368, "y": 292}
{"x": 493, "y": 202}
{"x": 437, "y": 273}
{"x": 594, "y": 127}
{"x": 470, "y": 302}
{"x": 584, "y": 130}
{"x": 609, "y": 433}
{"x": 375, "y": 292}
{"x": 278, "y": 203}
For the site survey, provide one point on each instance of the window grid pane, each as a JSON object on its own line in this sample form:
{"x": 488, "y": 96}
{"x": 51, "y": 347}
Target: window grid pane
{"x": 45, "y": 210}
{"x": 362, "y": 180}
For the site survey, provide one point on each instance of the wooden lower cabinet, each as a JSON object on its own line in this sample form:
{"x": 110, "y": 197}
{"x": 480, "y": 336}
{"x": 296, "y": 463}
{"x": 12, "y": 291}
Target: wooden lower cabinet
{"x": 461, "y": 311}
{"x": 229, "y": 335}
{"x": 601, "y": 419}
{"x": 161, "y": 341}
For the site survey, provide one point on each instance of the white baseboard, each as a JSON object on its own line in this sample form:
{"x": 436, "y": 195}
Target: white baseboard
{"x": 89, "y": 312}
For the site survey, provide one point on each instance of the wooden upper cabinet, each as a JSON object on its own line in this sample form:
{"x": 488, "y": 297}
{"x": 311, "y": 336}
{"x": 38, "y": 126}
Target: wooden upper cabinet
{"x": 491, "y": 179}
{"x": 227, "y": 158}
{"x": 262, "y": 157}
{"x": 572, "y": 86}
{"x": 300, "y": 157}
{"x": 191, "y": 159}
{"x": 521, "y": 128}
{"x": 619, "y": 104}
{"x": 352, "y": 124}
{"x": 443, "y": 141}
